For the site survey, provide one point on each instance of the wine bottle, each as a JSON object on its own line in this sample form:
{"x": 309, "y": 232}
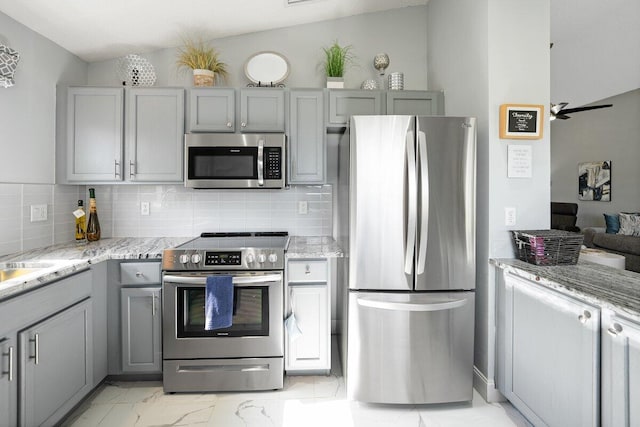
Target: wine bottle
{"x": 81, "y": 223}
{"x": 93, "y": 226}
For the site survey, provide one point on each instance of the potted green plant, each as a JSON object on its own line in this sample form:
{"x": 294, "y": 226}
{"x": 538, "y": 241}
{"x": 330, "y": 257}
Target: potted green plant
{"x": 337, "y": 59}
{"x": 204, "y": 60}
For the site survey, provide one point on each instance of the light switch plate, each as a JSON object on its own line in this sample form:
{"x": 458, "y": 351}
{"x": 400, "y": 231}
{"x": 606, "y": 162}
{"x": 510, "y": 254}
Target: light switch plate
{"x": 303, "y": 208}
{"x": 38, "y": 213}
{"x": 144, "y": 208}
{"x": 509, "y": 216}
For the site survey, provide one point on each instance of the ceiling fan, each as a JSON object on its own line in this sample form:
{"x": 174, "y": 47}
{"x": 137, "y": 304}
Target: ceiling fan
{"x": 559, "y": 112}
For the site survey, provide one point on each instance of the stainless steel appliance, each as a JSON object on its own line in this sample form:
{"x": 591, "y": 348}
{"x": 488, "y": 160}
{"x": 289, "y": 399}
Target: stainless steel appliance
{"x": 248, "y": 160}
{"x": 407, "y": 222}
{"x": 249, "y": 354}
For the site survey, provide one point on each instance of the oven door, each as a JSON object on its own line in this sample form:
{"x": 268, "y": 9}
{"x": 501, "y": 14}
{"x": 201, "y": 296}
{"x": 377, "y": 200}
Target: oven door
{"x": 257, "y": 328}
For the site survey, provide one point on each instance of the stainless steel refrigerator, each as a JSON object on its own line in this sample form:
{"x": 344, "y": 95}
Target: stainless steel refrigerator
{"x": 407, "y": 223}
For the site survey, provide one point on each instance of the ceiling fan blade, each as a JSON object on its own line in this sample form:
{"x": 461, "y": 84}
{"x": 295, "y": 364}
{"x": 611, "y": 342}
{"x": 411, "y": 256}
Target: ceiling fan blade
{"x": 562, "y": 116}
{"x": 556, "y": 108}
{"x": 593, "y": 107}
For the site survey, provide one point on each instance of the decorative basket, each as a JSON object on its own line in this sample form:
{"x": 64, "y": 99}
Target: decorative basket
{"x": 547, "y": 247}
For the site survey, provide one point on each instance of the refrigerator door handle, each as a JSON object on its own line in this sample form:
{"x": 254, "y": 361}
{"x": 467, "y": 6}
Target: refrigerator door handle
{"x": 412, "y": 194}
{"x": 407, "y": 306}
{"x": 424, "y": 202}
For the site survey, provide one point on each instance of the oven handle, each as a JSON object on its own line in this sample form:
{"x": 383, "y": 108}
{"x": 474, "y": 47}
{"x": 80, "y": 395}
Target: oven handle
{"x": 237, "y": 280}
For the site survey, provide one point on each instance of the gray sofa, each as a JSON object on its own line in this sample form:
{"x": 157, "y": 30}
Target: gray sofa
{"x": 627, "y": 246}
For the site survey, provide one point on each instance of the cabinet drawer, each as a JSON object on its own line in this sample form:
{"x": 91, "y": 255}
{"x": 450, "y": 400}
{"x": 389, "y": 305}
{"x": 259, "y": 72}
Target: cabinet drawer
{"x": 134, "y": 273}
{"x": 307, "y": 271}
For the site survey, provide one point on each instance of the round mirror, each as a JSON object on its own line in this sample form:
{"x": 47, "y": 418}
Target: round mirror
{"x": 266, "y": 68}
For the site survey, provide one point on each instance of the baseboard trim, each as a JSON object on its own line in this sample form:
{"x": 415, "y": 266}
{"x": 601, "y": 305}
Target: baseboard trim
{"x": 486, "y": 388}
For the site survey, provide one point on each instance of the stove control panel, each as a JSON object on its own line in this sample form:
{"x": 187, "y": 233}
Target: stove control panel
{"x": 245, "y": 259}
{"x": 223, "y": 258}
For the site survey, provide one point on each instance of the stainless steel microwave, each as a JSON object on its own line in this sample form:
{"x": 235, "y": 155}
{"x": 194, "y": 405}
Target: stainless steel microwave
{"x": 218, "y": 160}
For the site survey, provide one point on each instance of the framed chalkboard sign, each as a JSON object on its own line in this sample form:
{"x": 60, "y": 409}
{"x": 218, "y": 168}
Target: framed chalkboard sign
{"x": 521, "y": 121}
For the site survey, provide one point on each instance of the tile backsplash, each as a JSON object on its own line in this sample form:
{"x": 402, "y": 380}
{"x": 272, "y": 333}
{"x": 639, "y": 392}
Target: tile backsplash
{"x": 173, "y": 211}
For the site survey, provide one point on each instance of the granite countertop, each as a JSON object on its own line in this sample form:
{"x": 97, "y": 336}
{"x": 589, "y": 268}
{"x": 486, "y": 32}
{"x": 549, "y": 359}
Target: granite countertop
{"x": 594, "y": 283}
{"x": 65, "y": 259}
{"x": 313, "y": 247}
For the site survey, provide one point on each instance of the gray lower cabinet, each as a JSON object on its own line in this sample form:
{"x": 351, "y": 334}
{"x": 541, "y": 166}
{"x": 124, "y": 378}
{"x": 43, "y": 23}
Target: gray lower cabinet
{"x": 620, "y": 371}
{"x": 55, "y": 365}
{"x": 8, "y": 380}
{"x": 154, "y": 134}
{"x": 308, "y": 342}
{"x": 211, "y": 110}
{"x": 262, "y": 109}
{"x": 550, "y": 366}
{"x": 415, "y": 102}
{"x": 307, "y": 143}
{"x": 141, "y": 310}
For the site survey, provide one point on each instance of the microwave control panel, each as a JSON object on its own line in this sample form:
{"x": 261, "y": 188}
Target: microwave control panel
{"x": 272, "y": 163}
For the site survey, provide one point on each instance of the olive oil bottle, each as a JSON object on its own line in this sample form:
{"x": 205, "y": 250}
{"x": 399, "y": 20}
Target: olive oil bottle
{"x": 81, "y": 223}
{"x": 93, "y": 226}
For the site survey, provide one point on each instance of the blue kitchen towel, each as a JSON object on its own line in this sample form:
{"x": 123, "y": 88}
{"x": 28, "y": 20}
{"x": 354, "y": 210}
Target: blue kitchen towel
{"x": 218, "y": 304}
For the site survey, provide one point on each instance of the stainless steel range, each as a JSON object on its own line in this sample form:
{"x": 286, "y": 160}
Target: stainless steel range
{"x": 248, "y": 355}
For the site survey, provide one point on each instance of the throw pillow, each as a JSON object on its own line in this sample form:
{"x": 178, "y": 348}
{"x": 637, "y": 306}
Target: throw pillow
{"x": 613, "y": 223}
{"x": 629, "y": 224}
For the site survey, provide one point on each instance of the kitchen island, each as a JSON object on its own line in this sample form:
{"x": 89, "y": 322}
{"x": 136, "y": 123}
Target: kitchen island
{"x": 568, "y": 342}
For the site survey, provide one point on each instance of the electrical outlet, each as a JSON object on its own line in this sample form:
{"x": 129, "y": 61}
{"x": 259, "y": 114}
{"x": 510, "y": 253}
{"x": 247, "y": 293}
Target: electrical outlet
{"x": 144, "y": 208}
{"x": 510, "y": 216}
{"x": 38, "y": 213}
{"x": 303, "y": 208}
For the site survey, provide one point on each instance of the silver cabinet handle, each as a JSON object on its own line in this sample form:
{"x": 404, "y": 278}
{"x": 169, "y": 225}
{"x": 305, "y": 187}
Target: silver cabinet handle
{"x": 228, "y": 124}
{"x": 36, "y": 348}
{"x": 615, "y": 329}
{"x": 307, "y": 269}
{"x": 585, "y": 316}
{"x": 243, "y": 124}
{"x": 132, "y": 169}
{"x": 261, "y": 162}
{"x": 9, "y": 354}
{"x": 139, "y": 274}
{"x": 116, "y": 172}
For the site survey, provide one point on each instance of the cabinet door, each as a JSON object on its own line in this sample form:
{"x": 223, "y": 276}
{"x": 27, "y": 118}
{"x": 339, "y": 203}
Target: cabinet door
{"x": 94, "y": 134}
{"x": 415, "y": 102}
{"x": 211, "y": 110}
{"x": 262, "y": 110}
{"x": 141, "y": 323}
{"x": 307, "y": 146}
{"x": 8, "y": 381}
{"x": 345, "y": 103}
{"x": 620, "y": 371}
{"x": 155, "y": 134}
{"x": 56, "y": 365}
{"x": 552, "y": 367}
{"x": 311, "y": 349}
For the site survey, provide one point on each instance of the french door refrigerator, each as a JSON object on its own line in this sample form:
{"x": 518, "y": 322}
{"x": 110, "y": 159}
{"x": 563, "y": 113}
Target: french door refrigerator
{"x": 406, "y": 189}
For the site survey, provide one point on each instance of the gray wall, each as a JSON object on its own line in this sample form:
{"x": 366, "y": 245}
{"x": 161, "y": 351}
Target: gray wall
{"x": 607, "y": 134}
{"x": 28, "y": 109}
{"x": 401, "y": 33}
{"x": 478, "y": 59}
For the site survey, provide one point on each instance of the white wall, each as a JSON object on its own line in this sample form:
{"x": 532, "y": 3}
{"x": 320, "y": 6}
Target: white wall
{"x": 607, "y": 134}
{"x": 598, "y": 55}
{"x": 496, "y": 52}
{"x": 28, "y": 109}
{"x": 401, "y": 33}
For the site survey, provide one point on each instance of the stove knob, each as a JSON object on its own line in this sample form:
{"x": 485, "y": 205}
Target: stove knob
{"x": 184, "y": 258}
{"x": 262, "y": 258}
{"x": 196, "y": 258}
{"x": 273, "y": 257}
{"x": 250, "y": 259}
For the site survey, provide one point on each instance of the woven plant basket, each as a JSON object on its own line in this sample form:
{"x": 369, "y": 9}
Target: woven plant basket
{"x": 203, "y": 77}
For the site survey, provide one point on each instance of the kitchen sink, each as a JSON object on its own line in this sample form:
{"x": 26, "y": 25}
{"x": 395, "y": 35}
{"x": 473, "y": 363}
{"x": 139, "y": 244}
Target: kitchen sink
{"x": 12, "y": 270}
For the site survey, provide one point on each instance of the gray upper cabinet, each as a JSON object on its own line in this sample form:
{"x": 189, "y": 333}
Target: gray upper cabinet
{"x": 262, "y": 110}
{"x": 551, "y": 366}
{"x": 620, "y": 371}
{"x": 154, "y": 134}
{"x": 307, "y": 143}
{"x": 94, "y": 134}
{"x": 107, "y": 144}
{"x": 141, "y": 330}
{"x": 345, "y": 103}
{"x": 211, "y": 110}
{"x": 8, "y": 380}
{"x": 56, "y": 368}
{"x": 415, "y": 102}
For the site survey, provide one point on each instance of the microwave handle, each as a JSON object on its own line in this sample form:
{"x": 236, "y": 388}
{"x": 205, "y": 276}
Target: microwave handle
{"x": 260, "y": 162}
